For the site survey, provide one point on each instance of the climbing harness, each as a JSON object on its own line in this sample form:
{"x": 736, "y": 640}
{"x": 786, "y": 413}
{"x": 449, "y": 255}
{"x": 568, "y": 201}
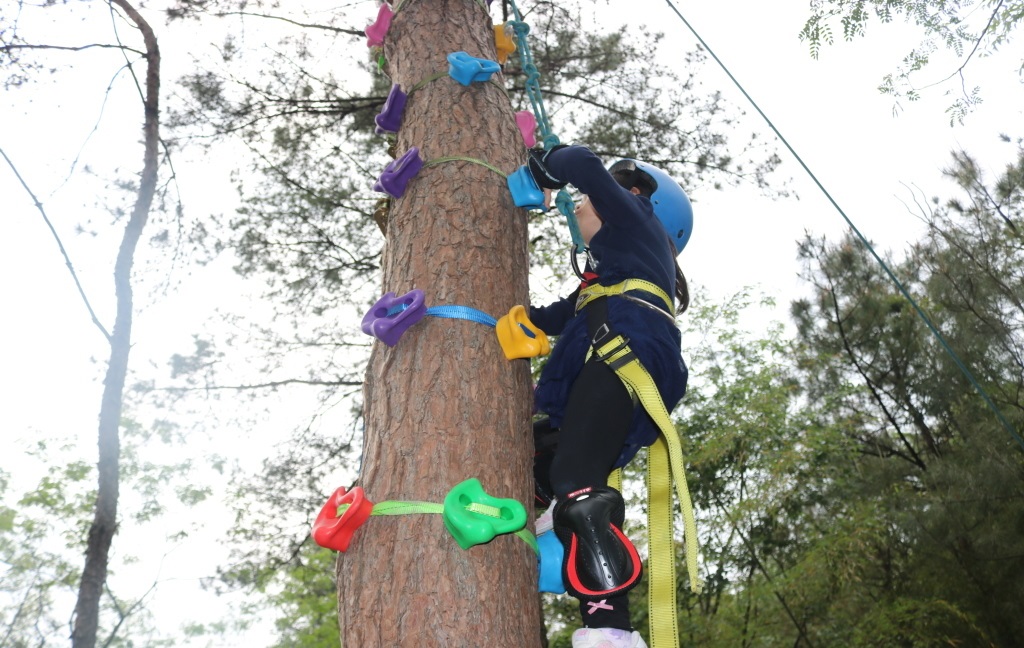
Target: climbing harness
{"x": 665, "y": 464}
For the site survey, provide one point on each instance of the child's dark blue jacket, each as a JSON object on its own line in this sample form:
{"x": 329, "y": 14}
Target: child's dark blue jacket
{"x": 631, "y": 244}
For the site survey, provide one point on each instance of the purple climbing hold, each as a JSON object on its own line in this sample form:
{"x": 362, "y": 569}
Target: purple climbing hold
{"x": 392, "y": 316}
{"x": 390, "y": 117}
{"x": 396, "y": 175}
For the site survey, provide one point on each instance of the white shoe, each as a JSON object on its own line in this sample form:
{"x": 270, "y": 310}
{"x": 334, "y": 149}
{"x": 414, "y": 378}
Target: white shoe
{"x": 607, "y": 638}
{"x": 546, "y": 522}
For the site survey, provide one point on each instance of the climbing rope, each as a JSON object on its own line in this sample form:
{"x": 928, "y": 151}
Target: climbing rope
{"x": 563, "y": 201}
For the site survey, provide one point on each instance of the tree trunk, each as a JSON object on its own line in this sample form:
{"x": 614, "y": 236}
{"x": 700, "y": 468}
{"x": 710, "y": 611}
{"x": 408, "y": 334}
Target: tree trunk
{"x": 444, "y": 404}
{"x": 104, "y": 525}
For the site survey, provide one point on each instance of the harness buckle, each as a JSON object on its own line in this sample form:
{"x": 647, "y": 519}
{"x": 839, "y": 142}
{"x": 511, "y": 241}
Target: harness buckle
{"x": 607, "y": 357}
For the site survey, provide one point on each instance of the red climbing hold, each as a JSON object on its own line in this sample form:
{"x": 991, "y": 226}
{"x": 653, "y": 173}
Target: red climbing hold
{"x": 334, "y": 531}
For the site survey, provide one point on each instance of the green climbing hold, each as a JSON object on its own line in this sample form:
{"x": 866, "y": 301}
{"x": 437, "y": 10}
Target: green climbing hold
{"x": 473, "y": 517}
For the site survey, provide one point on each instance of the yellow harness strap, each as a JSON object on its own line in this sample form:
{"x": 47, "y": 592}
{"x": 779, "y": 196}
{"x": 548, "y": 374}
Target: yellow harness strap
{"x": 591, "y": 293}
{"x": 664, "y": 466}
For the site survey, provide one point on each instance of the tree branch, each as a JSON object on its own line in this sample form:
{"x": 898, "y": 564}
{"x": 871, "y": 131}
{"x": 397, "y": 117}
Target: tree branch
{"x": 60, "y": 245}
{"x": 337, "y": 30}
{"x": 267, "y": 385}
{"x": 69, "y": 48}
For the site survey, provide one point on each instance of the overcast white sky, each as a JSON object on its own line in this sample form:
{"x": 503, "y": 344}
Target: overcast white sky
{"x": 830, "y": 111}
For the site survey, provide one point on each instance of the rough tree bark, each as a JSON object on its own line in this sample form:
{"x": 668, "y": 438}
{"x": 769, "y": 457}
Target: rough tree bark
{"x": 444, "y": 404}
{"x": 104, "y": 525}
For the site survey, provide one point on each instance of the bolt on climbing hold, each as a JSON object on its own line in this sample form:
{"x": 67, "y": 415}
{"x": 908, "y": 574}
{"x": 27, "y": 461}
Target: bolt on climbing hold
{"x": 397, "y": 174}
{"x": 503, "y": 42}
{"x": 519, "y": 337}
{"x": 392, "y": 316}
{"x": 390, "y": 117}
{"x": 333, "y": 530}
{"x": 468, "y": 69}
{"x": 526, "y": 192}
{"x": 549, "y": 563}
{"x": 375, "y": 32}
{"x": 473, "y": 517}
{"x": 527, "y": 124}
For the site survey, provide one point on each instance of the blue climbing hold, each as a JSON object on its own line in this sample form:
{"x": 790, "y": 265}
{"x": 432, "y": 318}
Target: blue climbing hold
{"x": 526, "y": 193}
{"x": 550, "y": 564}
{"x": 468, "y": 69}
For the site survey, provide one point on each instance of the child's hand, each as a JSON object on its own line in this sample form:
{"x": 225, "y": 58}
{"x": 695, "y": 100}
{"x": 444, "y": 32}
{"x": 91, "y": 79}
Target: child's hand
{"x": 547, "y": 199}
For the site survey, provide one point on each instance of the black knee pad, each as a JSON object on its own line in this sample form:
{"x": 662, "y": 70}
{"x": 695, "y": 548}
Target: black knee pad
{"x": 600, "y": 561}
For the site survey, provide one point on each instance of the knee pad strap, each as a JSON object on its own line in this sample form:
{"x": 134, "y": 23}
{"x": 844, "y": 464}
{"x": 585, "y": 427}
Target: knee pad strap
{"x": 600, "y": 561}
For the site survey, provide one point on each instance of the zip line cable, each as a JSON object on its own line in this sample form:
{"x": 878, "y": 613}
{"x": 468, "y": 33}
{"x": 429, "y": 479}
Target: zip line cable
{"x": 924, "y": 317}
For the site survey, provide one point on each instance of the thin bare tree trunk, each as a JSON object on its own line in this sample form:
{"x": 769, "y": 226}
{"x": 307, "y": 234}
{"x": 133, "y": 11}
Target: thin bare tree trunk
{"x": 444, "y": 405}
{"x": 104, "y": 525}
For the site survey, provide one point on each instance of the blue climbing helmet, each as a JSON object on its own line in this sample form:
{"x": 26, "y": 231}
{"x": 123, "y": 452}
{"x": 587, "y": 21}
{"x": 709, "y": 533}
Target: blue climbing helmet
{"x": 671, "y": 204}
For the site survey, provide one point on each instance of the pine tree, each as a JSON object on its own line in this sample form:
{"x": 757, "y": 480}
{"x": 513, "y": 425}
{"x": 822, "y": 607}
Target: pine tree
{"x": 444, "y": 405}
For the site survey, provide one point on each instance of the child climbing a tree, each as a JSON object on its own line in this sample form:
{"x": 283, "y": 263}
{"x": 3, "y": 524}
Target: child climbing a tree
{"x": 635, "y": 219}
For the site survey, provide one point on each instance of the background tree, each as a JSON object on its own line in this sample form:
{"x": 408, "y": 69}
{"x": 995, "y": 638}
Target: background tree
{"x": 20, "y": 56}
{"x": 104, "y": 525}
{"x": 938, "y": 481}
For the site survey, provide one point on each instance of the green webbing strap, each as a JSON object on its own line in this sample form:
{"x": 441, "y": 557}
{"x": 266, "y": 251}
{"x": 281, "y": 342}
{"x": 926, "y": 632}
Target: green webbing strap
{"x": 429, "y": 79}
{"x": 441, "y": 75}
{"x": 459, "y": 158}
{"x": 413, "y": 508}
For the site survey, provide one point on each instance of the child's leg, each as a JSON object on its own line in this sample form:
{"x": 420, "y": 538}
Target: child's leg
{"x": 594, "y": 428}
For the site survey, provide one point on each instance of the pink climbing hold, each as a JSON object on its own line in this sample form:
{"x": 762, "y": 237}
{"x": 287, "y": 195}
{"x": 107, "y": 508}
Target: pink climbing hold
{"x": 375, "y": 33}
{"x": 527, "y": 124}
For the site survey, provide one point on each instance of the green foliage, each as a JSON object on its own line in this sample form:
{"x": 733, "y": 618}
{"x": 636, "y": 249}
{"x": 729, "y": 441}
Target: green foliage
{"x": 937, "y": 478}
{"x": 308, "y": 601}
{"x": 35, "y": 575}
{"x": 963, "y": 27}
